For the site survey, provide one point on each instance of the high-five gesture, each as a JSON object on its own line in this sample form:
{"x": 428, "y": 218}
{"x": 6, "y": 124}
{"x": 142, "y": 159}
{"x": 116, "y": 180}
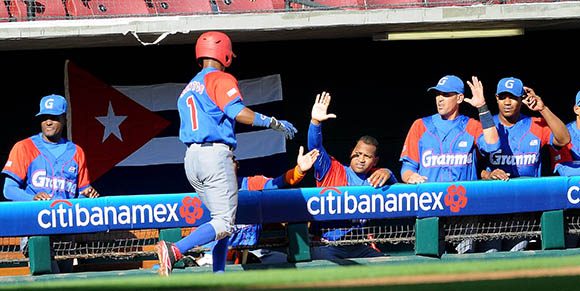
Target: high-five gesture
{"x": 320, "y": 107}
{"x": 305, "y": 161}
{"x": 476, "y": 87}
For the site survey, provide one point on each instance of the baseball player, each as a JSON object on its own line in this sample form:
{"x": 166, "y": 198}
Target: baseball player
{"x": 47, "y": 166}
{"x": 521, "y": 136}
{"x": 209, "y": 106}
{"x": 443, "y": 147}
{"x": 361, "y": 171}
{"x": 566, "y": 160}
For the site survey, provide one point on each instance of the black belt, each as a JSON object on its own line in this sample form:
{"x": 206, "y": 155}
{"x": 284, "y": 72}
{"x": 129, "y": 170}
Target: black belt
{"x": 209, "y": 144}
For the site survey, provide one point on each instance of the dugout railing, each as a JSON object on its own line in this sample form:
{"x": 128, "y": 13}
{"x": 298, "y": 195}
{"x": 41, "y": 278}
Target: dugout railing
{"x": 427, "y": 217}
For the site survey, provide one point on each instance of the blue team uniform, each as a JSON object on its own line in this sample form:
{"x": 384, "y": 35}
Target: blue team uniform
{"x": 444, "y": 150}
{"x": 32, "y": 164}
{"x": 519, "y": 153}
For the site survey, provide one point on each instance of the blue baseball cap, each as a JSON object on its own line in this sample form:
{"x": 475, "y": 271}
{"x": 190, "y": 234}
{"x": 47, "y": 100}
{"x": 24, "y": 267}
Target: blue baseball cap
{"x": 52, "y": 105}
{"x": 449, "y": 83}
{"x": 510, "y": 85}
{"x": 578, "y": 99}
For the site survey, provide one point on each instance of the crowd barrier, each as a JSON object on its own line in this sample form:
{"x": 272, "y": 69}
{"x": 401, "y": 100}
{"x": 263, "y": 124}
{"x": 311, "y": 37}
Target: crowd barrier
{"x": 427, "y": 203}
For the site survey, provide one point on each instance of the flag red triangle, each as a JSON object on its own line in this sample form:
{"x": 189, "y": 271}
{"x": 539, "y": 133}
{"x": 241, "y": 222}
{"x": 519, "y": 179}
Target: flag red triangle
{"x": 90, "y": 98}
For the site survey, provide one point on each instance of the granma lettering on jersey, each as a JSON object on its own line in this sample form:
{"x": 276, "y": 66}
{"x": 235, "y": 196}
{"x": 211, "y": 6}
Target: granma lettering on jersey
{"x": 497, "y": 159}
{"x": 41, "y": 180}
{"x": 428, "y": 159}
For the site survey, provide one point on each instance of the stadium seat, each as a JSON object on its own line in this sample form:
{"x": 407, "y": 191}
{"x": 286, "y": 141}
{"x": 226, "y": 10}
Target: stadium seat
{"x": 279, "y": 5}
{"x": 394, "y": 4}
{"x": 180, "y": 7}
{"x": 525, "y": 1}
{"x": 296, "y": 4}
{"x": 15, "y": 9}
{"x": 4, "y": 15}
{"x": 241, "y": 6}
{"x": 108, "y": 8}
{"x": 342, "y": 4}
{"x": 79, "y": 8}
{"x": 44, "y": 9}
{"x": 441, "y": 3}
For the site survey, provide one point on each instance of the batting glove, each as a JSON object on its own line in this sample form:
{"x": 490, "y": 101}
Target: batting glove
{"x": 284, "y": 127}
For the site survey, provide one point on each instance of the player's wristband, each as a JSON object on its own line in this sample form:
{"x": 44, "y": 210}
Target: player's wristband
{"x": 261, "y": 120}
{"x": 486, "y": 119}
{"x": 483, "y": 109}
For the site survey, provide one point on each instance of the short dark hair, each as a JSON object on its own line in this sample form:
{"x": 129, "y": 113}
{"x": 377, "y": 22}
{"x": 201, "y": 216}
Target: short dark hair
{"x": 370, "y": 140}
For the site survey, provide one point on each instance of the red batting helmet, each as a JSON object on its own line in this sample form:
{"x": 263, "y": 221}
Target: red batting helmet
{"x": 216, "y": 45}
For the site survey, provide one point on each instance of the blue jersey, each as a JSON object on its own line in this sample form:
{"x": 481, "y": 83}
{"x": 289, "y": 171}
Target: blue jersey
{"x": 566, "y": 160}
{"x": 574, "y": 140}
{"x": 32, "y": 165}
{"x": 444, "y": 150}
{"x": 208, "y": 106}
{"x": 519, "y": 153}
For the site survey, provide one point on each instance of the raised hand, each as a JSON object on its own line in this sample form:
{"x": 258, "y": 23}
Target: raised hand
{"x": 478, "y": 99}
{"x": 533, "y": 101}
{"x": 305, "y": 161}
{"x": 320, "y": 107}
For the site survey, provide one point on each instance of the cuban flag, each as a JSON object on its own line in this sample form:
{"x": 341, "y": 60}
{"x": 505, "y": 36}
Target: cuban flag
{"x": 130, "y": 133}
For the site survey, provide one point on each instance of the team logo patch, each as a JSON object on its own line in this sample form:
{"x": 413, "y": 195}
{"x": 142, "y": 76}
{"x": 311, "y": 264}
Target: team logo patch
{"x": 232, "y": 92}
{"x": 72, "y": 169}
{"x": 9, "y": 164}
{"x": 534, "y": 142}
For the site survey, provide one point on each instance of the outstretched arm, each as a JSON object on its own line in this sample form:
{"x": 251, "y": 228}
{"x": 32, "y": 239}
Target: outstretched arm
{"x": 249, "y": 117}
{"x": 293, "y": 176}
{"x": 319, "y": 114}
{"x": 304, "y": 163}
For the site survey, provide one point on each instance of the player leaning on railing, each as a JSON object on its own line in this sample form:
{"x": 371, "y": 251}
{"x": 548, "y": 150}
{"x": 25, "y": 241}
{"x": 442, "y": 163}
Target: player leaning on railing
{"x": 443, "y": 147}
{"x": 47, "y": 166}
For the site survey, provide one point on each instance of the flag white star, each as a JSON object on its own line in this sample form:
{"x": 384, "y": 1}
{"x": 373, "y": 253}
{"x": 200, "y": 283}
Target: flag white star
{"x": 111, "y": 122}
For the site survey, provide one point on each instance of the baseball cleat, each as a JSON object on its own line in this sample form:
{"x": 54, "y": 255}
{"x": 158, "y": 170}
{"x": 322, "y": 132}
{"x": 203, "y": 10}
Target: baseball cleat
{"x": 166, "y": 257}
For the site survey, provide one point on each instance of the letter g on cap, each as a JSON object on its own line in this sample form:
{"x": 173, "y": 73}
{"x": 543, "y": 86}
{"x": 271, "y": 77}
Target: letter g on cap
{"x": 509, "y": 84}
{"x": 49, "y": 103}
